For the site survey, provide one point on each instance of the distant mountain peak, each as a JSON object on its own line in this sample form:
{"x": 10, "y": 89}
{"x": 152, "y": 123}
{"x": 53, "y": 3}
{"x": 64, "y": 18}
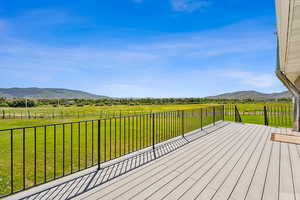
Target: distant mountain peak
{"x": 252, "y": 94}
{"x": 46, "y": 93}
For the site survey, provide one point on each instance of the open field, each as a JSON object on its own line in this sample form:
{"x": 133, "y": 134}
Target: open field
{"x": 86, "y": 113}
{"x": 250, "y": 112}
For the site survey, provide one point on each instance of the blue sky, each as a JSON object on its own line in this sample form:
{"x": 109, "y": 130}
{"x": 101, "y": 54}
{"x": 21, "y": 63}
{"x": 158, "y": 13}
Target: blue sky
{"x": 139, "y": 48}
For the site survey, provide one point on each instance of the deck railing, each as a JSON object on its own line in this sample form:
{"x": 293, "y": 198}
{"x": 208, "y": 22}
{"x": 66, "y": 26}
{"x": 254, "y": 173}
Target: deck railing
{"x": 35, "y": 155}
{"x": 269, "y": 115}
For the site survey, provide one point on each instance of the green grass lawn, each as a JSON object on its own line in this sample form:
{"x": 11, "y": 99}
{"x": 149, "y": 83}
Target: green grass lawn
{"x": 90, "y": 112}
{"x": 62, "y": 113}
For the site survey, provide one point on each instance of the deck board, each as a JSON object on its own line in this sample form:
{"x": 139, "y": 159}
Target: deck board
{"x": 256, "y": 187}
{"x": 272, "y": 176}
{"x": 227, "y": 161}
{"x": 286, "y": 179}
{"x": 232, "y": 174}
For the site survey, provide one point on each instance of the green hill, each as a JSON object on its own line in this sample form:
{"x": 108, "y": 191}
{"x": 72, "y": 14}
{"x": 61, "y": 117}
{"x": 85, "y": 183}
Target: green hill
{"x": 46, "y": 93}
{"x": 252, "y": 95}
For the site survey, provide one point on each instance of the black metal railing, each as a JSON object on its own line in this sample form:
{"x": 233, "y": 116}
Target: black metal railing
{"x": 237, "y": 116}
{"x": 280, "y": 116}
{"x": 270, "y": 115}
{"x": 35, "y": 155}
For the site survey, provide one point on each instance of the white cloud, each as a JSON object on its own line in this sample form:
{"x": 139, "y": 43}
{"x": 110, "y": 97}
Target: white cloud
{"x": 158, "y": 66}
{"x": 189, "y": 5}
{"x": 257, "y": 79}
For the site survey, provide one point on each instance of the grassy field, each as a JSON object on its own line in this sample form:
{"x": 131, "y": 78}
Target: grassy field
{"x": 90, "y": 112}
{"x": 63, "y": 149}
{"x": 86, "y": 111}
{"x": 67, "y": 114}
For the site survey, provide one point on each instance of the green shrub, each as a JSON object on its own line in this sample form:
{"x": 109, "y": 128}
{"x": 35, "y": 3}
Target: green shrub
{"x": 3, "y": 105}
{"x": 21, "y": 103}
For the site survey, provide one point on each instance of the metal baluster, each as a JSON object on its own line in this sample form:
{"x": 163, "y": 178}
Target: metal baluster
{"x": 86, "y": 138}
{"x": 11, "y": 161}
{"x": 115, "y": 137}
{"x": 99, "y": 144}
{"x": 71, "y": 147}
{"x": 140, "y": 130}
{"x": 110, "y": 138}
{"x": 24, "y": 158}
{"x": 34, "y": 155}
{"x": 79, "y": 127}
{"x": 128, "y": 136}
{"x": 105, "y": 140}
{"x": 120, "y": 135}
{"x": 93, "y": 142}
{"x": 54, "y": 151}
{"x": 153, "y": 133}
{"x": 124, "y": 139}
{"x": 182, "y": 122}
{"x": 45, "y": 156}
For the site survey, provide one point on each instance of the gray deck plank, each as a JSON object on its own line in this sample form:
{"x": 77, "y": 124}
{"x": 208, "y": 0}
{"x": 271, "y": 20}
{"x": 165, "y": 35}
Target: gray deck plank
{"x": 286, "y": 186}
{"x": 241, "y": 187}
{"x": 203, "y": 175}
{"x": 231, "y": 173}
{"x": 185, "y": 173}
{"x": 256, "y": 187}
{"x": 295, "y": 167}
{"x": 226, "y": 163}
{"x": 272, "y": 179}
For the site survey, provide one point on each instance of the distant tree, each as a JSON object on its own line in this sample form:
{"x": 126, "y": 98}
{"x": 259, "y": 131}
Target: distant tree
{"x": 21, "y": 103}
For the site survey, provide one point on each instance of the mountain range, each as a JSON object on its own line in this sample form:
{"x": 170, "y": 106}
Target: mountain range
{"x": 46, "y": 93}
{"x": 55, "y": 93}
{"x": 252, "y": 95}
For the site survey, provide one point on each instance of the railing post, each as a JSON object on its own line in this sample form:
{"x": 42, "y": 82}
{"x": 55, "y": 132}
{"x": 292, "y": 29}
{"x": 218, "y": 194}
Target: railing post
{"x": 235, "y": 114}
{"x": 11, "y": 162}
{"x": 201, "y": 118}
{"x": 223, "y": 113}
{"x": 99, "y": 145}
{"x": 153, "y": 134}
{"x": 153, "y": 131}
{"x": 182, "y": 122}
{"x": 214, "y": 115}
{"x": 266, "y": 116}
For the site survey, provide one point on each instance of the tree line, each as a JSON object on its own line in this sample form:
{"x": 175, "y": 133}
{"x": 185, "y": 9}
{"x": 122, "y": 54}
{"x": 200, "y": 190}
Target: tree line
{"x": 5, "y": 102}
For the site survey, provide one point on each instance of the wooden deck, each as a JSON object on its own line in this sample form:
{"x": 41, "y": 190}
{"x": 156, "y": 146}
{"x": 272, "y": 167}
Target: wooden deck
{"x": 227, "y": 161}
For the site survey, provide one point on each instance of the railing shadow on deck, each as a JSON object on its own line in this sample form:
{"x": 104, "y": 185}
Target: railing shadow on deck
{"x": 88, "y": 181}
